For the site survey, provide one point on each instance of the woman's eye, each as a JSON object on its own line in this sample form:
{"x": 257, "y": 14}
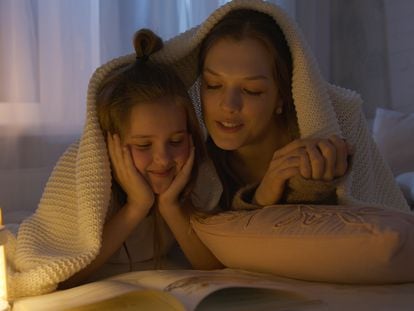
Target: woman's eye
{"x": 176, "y": 142}
{"x": 253, "y": 93}
{"x": 213, "y": 86}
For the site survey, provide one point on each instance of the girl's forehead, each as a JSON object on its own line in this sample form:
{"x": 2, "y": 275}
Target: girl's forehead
{"x": 158, "y": 106}
{"x": 157, "y": 118}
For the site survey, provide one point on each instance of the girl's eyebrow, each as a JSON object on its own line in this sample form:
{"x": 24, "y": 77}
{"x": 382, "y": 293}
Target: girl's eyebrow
{"x": 149, "y": 136}
{"x": 254, "y": 77}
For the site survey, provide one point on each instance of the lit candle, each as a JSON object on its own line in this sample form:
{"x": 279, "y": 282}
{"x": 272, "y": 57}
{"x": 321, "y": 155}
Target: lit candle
{"x": 4, "y": 304}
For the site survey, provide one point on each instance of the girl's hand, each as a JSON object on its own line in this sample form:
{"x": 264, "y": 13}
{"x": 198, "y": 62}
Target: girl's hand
{"x": 316, "y": 159}
{"x": 171, "y": 195}
{"x": 139, "y": 192}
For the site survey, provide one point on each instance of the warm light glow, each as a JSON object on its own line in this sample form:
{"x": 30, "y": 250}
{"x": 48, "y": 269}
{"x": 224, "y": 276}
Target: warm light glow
{"x": 3, "y": 281}
{"x": 4, "y": 305}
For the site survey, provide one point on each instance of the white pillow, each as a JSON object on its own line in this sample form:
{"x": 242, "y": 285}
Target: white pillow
{"x": 394, "y": 134}
{"x": 406, "y": 183}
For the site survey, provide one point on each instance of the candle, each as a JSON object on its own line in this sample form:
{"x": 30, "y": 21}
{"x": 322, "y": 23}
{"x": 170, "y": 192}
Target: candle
{"x": 4, "y": 305}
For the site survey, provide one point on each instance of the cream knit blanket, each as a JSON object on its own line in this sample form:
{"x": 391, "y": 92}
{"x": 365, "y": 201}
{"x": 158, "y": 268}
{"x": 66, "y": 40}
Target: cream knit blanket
{"x": 64, "y": 234}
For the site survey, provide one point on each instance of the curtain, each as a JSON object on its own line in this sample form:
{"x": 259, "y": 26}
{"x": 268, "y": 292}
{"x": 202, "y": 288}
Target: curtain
{"x": 48, "y": 51}
{"x": 359, "y": 51}
{"x": 314, "y": 19}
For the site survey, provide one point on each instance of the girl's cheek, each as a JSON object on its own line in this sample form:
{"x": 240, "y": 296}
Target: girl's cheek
{"x": 181, "y": 154}
{"x": 141, "y": 160}
{"x": 187, "y": 148}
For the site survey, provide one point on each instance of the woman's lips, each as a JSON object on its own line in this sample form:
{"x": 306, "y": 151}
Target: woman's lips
{"x": 228, "y": 126}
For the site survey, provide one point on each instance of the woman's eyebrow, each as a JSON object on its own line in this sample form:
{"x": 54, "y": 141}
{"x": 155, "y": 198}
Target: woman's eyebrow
{"x": 141, "y": 136}
{"x": 253, "y": 77}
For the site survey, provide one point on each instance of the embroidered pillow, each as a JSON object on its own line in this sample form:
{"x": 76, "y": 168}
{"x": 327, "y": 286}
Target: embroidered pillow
{"x": 365, "y": 245}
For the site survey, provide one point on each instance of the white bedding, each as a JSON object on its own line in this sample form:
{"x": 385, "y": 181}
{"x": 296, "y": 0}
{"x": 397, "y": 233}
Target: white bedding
{"x": 336, "y": 297}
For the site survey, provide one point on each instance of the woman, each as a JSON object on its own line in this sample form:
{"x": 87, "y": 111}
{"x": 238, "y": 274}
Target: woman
{"x": 246, "y": 71}
{"x": 278, "y": 132}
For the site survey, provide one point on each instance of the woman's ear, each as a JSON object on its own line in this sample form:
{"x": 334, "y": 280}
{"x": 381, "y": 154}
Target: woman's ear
{"x": 279, "y": 107}
{"x": 279, "y": 110}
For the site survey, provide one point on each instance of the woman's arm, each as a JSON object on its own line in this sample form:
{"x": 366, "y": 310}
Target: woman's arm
{"x": 320, "y": 161}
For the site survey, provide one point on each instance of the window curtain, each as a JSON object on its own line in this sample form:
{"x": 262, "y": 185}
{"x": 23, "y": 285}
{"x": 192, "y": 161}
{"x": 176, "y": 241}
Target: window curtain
{"x": 48, "y": 51}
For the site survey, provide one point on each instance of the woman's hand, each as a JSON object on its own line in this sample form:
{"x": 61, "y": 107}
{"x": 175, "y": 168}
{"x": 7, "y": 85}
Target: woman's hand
{"x": 315, "y": 159}
{"x": 326, "y": 158}
{"x": 139, "y": 192}
{"x": 171, "y": 196}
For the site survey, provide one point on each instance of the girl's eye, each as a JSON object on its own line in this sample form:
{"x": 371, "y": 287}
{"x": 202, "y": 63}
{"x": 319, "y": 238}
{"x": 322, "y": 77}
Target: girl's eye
{"x": 141, "y": 146}
{"x": 253, "y": 93}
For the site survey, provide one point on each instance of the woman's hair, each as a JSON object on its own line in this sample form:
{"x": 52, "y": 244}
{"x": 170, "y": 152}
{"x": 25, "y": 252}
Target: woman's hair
{"x": 249, "y": 24}
{"x": 145, "y": 81}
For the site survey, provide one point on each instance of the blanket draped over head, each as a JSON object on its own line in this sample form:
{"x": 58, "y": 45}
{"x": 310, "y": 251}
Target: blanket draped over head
{"x": 64, "y": 234}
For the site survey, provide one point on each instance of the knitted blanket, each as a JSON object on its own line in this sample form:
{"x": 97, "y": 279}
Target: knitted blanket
{"x": 64, "y": 234}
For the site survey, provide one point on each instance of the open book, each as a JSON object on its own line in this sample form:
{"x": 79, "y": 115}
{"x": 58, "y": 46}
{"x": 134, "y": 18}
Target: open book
{"x": 165, "y": 290}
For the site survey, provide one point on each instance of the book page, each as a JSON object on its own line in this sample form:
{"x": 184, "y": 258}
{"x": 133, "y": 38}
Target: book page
{"x": 203, "y": 289}
{"x": 226, "y": 290}
{"x": 174, "y": 290}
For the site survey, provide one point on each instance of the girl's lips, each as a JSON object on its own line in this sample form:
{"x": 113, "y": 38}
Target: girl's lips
{"x": 164, "y": 173}
{"x": 229, "y": 127}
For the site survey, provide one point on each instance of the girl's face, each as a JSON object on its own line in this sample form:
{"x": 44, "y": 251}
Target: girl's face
{"x": 239, "y": 93}
{"x": 159, "y": 142}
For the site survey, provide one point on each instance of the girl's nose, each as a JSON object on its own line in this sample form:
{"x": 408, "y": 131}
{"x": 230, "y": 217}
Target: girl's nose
{"x": 162, "y": 156}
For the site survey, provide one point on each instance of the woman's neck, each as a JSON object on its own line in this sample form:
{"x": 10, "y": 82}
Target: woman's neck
{"x": 251, "y": 162}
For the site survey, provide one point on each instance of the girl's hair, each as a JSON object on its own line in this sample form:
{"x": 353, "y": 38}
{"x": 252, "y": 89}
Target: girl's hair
{"x": 238, "y": 25}
{"x": 145, "y": 81}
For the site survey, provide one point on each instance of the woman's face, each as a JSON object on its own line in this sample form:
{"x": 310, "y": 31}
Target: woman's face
{"x": 159, "y": 142}
{"x": 239, "y": 94}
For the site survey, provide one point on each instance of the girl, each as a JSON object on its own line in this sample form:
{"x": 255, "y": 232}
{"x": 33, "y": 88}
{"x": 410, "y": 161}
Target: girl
{"x": 153, "y": 140}
{"x": 157, "y": 156}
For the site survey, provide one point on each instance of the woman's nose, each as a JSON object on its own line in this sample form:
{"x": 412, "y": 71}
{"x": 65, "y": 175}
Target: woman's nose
{"x": 232, "y": 100}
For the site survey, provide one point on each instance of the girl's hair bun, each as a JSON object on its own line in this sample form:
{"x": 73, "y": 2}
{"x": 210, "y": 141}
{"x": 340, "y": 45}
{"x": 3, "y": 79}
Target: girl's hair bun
{"x": 146, "y": 43}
